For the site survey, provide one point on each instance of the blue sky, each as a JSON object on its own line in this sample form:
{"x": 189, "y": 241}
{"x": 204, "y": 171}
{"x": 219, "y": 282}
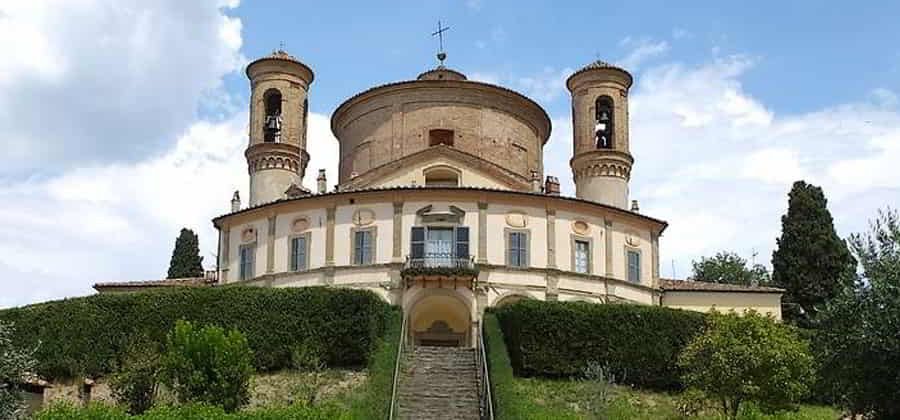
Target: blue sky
{"x": 123, "y": 120}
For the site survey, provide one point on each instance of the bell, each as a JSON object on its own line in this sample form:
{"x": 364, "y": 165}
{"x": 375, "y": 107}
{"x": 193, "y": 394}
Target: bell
{"x": 604, "y": 116}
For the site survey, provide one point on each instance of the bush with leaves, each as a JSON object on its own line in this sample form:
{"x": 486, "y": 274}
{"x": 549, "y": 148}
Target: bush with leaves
{"x": 638, "y": 342}
{"x": 858, "y": 341}
{"x": 136, "y": 383}
{"x": 344, "y": 323}
{"x": 16, "y": 363}
{"x": 599, "y": 381}
{"x": 208, "y": 365}
{"x": 729, "y": 267}
{"x": 308, "y": 358}
{"x": 748, "y": 358}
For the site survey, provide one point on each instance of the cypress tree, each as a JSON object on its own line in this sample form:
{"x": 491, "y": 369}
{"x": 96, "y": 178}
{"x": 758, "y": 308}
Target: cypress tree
{"x": 811, "y": 262}
{"x": 186, "y": 260}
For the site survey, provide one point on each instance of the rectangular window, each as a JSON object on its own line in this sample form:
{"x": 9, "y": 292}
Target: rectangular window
{"x": 417, "y": 243}
{"x": 517, "y": 247}
{"x": 582, "y": 256}
{"x": 634, "y": 266}
{"x": 298, "y": 253}
{"x": 363, "y": 247}
{"x": 462, "y": 242}
{"x": 247, "y": 257}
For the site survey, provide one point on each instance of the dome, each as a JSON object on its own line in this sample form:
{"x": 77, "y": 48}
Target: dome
{"x": 600, "y": 65}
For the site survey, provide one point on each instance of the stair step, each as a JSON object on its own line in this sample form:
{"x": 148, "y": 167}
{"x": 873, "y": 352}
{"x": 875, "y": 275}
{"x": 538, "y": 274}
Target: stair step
{"x": 439, "y": 383}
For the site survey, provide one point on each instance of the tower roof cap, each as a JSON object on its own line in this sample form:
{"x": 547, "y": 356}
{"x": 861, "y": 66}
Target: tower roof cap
{"x": 280, "y": 55}
{"x": 601, "y": 65}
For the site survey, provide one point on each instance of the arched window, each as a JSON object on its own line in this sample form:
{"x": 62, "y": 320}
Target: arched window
{"x": 441, "y": 176}
{"x": 272, "y": 122}
{"x": 603, "y": 122}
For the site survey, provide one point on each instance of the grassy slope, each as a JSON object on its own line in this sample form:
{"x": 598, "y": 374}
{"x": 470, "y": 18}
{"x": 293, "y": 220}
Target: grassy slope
{"x": 564, "y": 398}
{"x": 535, "y": 398}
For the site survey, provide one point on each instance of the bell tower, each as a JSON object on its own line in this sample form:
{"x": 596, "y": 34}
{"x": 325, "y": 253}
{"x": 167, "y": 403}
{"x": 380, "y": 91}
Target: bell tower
{"x": 601, "y": 162}
{"x": 276, "y": 155}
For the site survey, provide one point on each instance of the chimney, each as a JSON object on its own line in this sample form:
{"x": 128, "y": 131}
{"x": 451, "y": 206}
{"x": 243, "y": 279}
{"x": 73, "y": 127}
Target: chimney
{"x": 634, "y": 206}
{"x": 236, "y": 202}
{"x": 551, "y": 185}
{"x": 535, "y": 182}
{"x": 322, "y": 182}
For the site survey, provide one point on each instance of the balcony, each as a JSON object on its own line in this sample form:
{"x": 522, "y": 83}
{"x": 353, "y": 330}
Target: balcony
{"x": 444, "y": 268}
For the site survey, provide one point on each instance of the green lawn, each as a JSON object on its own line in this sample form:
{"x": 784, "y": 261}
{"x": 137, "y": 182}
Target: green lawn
{"x": 566, "y": 399}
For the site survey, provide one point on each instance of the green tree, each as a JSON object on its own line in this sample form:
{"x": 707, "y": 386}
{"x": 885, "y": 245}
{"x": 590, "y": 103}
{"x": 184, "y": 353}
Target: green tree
{"x": 15, "y": 364}
{"x": 858, "y": 342}
{"x": 186, "y": 260}
{"x": 729, "y": 267}
{"x": 810, "y": 262}
{"x": 747, "y": 358}
{"x": 136, "y": 383}
{"x": 208, "y": 365}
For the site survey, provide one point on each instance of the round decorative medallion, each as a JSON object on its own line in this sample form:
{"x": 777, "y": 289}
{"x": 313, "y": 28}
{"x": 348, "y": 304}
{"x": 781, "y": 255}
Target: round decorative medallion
{"x": 300, "y": 224}
{"x": 517, "y": 219}
{"x": 581, "y": 227}
{"x": 632, "y": 240}
{"x": 248, "y": 235}
{"x": 363, "y": 217}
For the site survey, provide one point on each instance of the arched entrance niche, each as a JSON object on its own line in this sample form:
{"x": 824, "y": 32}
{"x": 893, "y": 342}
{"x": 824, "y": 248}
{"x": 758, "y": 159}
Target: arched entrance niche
{"x": 440, "y": 317}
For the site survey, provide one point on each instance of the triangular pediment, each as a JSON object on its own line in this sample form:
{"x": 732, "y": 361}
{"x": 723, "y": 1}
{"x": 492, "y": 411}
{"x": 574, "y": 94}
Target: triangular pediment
{"x": 409, "y": 170}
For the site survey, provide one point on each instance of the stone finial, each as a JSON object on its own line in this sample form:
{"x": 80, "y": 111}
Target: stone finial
{"x": 551, "y": 185}
{"x": 236, "y": 201}
{"x": 295, "y": 191}
{"x": 634, "y": 206}
{"x": 322, "y": 182}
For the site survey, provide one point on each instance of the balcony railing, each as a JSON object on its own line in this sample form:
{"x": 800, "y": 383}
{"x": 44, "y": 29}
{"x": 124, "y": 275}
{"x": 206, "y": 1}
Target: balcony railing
{"x": 447, "y": 264}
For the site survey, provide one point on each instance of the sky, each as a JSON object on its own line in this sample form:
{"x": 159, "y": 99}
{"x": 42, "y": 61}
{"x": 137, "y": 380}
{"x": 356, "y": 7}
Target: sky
{"x": 122, "y": 121}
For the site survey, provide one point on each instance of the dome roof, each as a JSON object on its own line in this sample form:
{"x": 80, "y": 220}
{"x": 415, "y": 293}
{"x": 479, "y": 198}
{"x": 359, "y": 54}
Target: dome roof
{"x": 442, "y": 73}
{"x": 284, "y": 57}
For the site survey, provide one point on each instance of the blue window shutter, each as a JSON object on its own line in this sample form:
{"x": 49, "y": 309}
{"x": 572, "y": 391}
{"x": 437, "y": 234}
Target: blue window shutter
{"x": 462, "y": 242}
{"x": 417, "y": 243}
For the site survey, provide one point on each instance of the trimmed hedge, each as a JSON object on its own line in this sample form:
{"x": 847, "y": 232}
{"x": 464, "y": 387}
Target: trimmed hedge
{"x": 89, "y": 335}
{"x": 640, "y": 343}
{"x": 509, "y": 402}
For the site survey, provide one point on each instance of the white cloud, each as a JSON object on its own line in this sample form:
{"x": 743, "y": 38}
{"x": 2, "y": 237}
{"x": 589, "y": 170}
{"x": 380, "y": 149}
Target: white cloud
{"x": 88, "y": 81}
{"x": 116, "y": 222}
{"x": 641, "y": 51}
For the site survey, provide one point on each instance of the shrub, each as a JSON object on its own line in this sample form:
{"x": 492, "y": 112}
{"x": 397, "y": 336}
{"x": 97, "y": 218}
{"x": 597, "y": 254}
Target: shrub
{"x": 599, "y": 383}
{"x": 208, "y": 365}
{"x": 90, "y": 335}
{"x": 15, "y": 364}
{"x": 375, "y": 401}
{"x": 748, "y": 358}
{"x": 638, "y": 343}
{"x": 509, "y": 402}
{"x": 137, "y": 381}
{"x": 191, "y": 412}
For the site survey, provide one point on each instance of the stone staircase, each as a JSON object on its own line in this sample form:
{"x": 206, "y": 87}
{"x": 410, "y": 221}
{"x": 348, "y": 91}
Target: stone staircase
{"x": 439, "y": 383}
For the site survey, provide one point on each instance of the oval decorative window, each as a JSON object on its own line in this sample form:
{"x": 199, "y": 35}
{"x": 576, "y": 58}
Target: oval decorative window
{"x": 300, "y": 224}
{"x": 581, "y": 227}
{"x": 248, "y": 235}
{"x": 517, "y": 219}
{"x": 363, "y": 217}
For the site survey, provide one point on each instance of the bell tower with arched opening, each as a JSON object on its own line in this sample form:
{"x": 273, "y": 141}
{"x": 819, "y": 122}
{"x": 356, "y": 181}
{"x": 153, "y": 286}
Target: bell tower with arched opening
{"x": 276, "y": 156}
{"x": 601, "y": 162}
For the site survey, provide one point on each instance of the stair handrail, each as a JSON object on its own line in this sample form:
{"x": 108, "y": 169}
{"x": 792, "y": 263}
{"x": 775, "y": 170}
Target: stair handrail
{"x": 487, "y": 400}
{"x": 395, "y": 384}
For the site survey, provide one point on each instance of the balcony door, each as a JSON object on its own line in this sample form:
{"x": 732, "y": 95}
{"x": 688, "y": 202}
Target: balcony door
{"x": 439, "y": 247}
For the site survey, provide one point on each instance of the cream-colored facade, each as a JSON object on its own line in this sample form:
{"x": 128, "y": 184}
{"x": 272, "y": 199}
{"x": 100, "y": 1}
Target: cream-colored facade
{"x": 442, "y": 205}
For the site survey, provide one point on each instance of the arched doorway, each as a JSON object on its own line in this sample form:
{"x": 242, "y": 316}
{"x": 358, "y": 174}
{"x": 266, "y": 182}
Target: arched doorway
{"x": 440, "y": 319}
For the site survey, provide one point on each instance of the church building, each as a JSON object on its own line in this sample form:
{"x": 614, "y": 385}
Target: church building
{"x": 442, "y": 205}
